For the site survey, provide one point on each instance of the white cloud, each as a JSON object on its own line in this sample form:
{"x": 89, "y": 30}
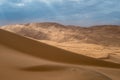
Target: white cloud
{"x": 76, "y": 0}
{"x": 20, "y": 4}
{"x": 51, "y": 1}
{"x": 45, "y": 1}
{"x": 27, "y": 1}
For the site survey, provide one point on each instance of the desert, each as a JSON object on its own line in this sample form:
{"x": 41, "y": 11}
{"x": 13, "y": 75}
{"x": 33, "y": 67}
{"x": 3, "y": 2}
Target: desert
{"x": 52, "y": 51}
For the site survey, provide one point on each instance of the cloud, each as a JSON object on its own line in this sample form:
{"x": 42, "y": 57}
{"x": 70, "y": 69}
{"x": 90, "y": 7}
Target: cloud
{"x": 66, "y": 11}
{"x": 20, "y": 4}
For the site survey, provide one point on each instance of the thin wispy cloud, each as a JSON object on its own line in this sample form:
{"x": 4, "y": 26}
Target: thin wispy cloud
{"x": 80, "y": 12}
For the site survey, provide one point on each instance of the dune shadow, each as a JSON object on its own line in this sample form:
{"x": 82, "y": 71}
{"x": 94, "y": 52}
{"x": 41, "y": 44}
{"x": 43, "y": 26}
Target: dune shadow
{"x": 72, "y": 71}
{"x": 44, "y": 68}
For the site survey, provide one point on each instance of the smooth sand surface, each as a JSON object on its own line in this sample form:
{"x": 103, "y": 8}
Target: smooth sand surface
{"x": 22, "y": 58}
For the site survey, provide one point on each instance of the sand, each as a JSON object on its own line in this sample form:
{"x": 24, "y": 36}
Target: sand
{"x": 23, "y": 58}
{"x": 101, "y": 42}
{"x": 106, "y": 53}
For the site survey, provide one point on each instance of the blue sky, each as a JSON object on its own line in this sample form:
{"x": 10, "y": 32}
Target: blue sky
{"x": 75, "y": 12}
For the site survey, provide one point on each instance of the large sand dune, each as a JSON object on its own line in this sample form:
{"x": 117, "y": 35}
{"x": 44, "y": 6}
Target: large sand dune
{"x": 48, "y": 52}
{"x": 101, "y": 42}
{"x": 23, "y": 58}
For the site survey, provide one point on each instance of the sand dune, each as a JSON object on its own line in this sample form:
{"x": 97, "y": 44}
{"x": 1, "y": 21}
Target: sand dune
{"x": 96, "y": 41}
{"x": 26, "y": 59}
{"x": 48, "y": 52}
{"x": 111, "y": 54}
{"x": 15, "y": 65}
{"x": 106, "y": 35}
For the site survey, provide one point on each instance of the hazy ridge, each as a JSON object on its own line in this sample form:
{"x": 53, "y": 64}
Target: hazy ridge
{"x": 108, "y": 35}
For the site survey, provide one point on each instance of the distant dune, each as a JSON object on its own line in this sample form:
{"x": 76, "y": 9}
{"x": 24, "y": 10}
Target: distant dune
{"x": 108, "y": 35}
{"x": 27, "y": 59}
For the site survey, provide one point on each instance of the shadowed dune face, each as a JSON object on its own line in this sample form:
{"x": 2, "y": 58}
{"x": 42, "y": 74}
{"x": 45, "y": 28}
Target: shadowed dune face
{"x": 45, "y": 68}
{"x": 69, "y": 73}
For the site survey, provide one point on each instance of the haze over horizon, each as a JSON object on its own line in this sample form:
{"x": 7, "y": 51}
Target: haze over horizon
{"x": 72, "y": 12}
